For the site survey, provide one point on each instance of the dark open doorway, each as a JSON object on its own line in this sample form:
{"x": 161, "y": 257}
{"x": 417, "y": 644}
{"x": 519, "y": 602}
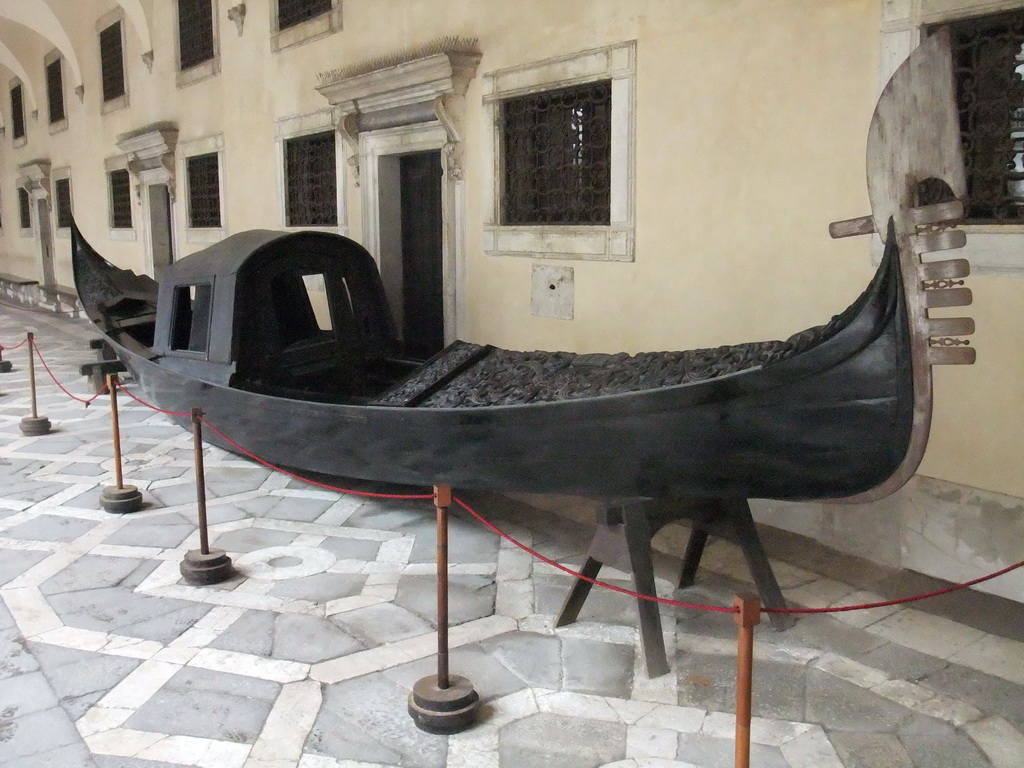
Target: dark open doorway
{"x": 422, "y": 321}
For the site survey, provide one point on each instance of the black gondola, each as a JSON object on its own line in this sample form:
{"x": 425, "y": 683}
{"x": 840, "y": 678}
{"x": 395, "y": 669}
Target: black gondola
{"x": 841, "y": 410}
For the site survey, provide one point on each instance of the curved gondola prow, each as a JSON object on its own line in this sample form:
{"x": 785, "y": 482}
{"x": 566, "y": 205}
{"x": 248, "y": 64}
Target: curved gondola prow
{"x": 914, "y": 138}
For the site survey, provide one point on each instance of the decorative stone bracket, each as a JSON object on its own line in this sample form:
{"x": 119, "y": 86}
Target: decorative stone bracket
{"x": 237, "y": 14}
{"x": 150, "y": 155}
{"x": 427, "y": 88}
{"x": 34, "y": 178}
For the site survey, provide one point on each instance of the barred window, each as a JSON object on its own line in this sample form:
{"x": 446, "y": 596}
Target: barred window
{"x": 557, "y": 156}
{"x": 203, "y": 191}
{"x": 988, "y": 61}
{"x": 293, "y": 12}
{"x": 24, "y": 210}
{"x": 62, "y": 192}
{"x": 55, "y": 90}
{"x": 311, "y": 181}
{"x": 112, "y": 62}
{"x": 120, "y": 200}
{"x": 18, "y": 111}
{"x": 195, "y": 32}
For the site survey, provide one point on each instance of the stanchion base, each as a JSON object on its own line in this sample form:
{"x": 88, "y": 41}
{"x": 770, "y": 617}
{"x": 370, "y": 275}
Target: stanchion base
{"x": 213, "y": 568}
{"x": 443, "y": 710}
{"x": 5, "y": 366}
{"x": 121, "y": 500}
{"x": 33, "y": 426}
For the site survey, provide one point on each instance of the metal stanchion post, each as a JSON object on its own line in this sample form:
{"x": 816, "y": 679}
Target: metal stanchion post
{"x": 203, "y": 565}
{"x": 443, "y": 703}
{"x": 119, "y": 498}
{"x": 5, "y": 365}
{"x": 34, "y": 425}
{"x": 748, "y": 617}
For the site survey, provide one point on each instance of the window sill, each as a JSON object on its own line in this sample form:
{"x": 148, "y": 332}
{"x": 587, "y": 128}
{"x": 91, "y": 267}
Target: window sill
{"x": 126, "y": 235}
{"x": 64, "y": 233}
{"x": 27, "y": 232}
{"x": 113, "y": 105}
{"x": 323, "y": 24}
{"x": 198, "y": 73}
{"x": 20, "y": 141}
{"x": 575, "y": 243}
{"x": 59, "y": 126}
{"x": 198, "y": 235}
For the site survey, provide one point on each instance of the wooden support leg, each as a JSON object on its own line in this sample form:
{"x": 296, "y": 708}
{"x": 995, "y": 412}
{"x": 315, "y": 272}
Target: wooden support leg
{"x": 738, "y": 511}
{"x": 578, "y": 594}
{"x": 694, "y": 552}
{"x": 638, "y": 543}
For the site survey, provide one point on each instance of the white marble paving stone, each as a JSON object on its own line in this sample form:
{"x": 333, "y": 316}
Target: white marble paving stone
{"x": 354, "y": 602}
{"x": 275, "y": 670}
{"x": 190, "y": 750}
{"x": 515, "y": 706}
{"x": 775, "y": 733}
{"x": 359, "y": 664}
{"x": 101, "y": 719}
{"x": 651, "y": 742}
{"x": 678, "y": 719}
{"x": 933, "y": 635}
{"x": 999, "y": 656}
{"x": 579, "y": 705}
{"x": 396, "y": 550}
{"x": 952, "y": 711}
{"x": 811, "y": 750}
{"x": 851, "y": 671}
{"x": 139, "y": 686}
{"x": 289, "y": 723}
{"x": 31, "y": 612}
{"x": 905, "y": 693}
{"x": 474, "y": 748}
{"x": 1000, "y": 741}
{"x": 122, "y": 742}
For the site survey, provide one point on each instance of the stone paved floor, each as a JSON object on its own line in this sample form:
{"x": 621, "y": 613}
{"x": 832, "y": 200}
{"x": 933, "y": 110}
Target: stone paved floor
{"x": 306, "y": 657}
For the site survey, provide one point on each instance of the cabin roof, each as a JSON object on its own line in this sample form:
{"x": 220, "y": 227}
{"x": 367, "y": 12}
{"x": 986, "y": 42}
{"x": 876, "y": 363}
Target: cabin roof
{"x": 223, "y": 258}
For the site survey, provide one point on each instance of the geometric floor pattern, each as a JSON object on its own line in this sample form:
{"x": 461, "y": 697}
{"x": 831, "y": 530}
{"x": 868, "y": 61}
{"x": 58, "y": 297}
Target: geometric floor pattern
{"x": 108, "y": 659}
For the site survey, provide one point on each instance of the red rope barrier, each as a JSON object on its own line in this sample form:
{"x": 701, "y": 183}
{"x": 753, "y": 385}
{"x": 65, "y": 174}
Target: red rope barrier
{"x": 61, "y": 386}
{"x": 22, "y": 343}
{"x": 597, "y": 582}
{"x": 151, "y": 407}
{"x": 900, "y": 600}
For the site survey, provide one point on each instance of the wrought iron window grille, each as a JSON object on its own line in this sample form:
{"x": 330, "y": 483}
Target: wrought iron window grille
{"x": 988, "y": 60}
{"x": 311, "y": 193}
{"x": 120, "y": 200}
{"x": 293, "y": 12}
{"x": 18, "y": 111}
{"x": 556, "y": 156}
{"x": 195, "y": 32}
{"x": 24, "y": 210}
{"x": 112, "y": 62}
{"x": 62, "y": 193}
{"x": 55, "y": 91}
{"x": 204, "y": 191}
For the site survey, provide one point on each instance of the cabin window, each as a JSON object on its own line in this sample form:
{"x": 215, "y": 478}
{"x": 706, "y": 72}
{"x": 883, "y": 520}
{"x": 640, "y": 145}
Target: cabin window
{"x": 311, "y": 191}
{"x": 55, "y": 91}
{"x": 190, "y": 325}
{"x": 120, "y": 199}
{"x": 62, "y": 193}
{"x": 17, "y": 112}
{"x": 988, "y": 60}
{"x": 203, "y": 191}
{"x": 112, "y": 62}
{"x": 24, "y": 209}
{"x": 300, "y": 307}
{"x": 557, "y": 156}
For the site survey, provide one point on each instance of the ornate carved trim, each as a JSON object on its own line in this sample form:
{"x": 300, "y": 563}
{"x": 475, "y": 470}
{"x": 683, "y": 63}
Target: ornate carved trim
{"x": 149, "y": 154}
{"x": 34, "y": 178}
{"x": 401, "y": 89}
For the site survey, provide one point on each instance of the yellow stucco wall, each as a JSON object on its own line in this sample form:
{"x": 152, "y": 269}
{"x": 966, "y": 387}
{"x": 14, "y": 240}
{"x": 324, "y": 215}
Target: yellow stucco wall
{"x": 751, "y": 122}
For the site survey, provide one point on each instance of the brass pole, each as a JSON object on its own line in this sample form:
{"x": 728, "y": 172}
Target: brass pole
{"x": 748, "y": 617}
{"x": 197, "y": 444}
{"x": 116, "y": 427}
{"x": 442, "y": 500}
{"x": 32, "y": 372}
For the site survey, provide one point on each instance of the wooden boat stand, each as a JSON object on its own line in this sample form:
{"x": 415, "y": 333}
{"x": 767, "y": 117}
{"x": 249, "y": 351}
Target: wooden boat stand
{"x": 622, "y": 540}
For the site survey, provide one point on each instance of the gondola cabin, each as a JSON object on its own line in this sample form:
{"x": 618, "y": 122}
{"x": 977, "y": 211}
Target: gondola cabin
{"x": 295, "y": 315}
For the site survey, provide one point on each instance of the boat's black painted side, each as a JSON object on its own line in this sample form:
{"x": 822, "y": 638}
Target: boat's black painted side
{"x": 831, "y": 421}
